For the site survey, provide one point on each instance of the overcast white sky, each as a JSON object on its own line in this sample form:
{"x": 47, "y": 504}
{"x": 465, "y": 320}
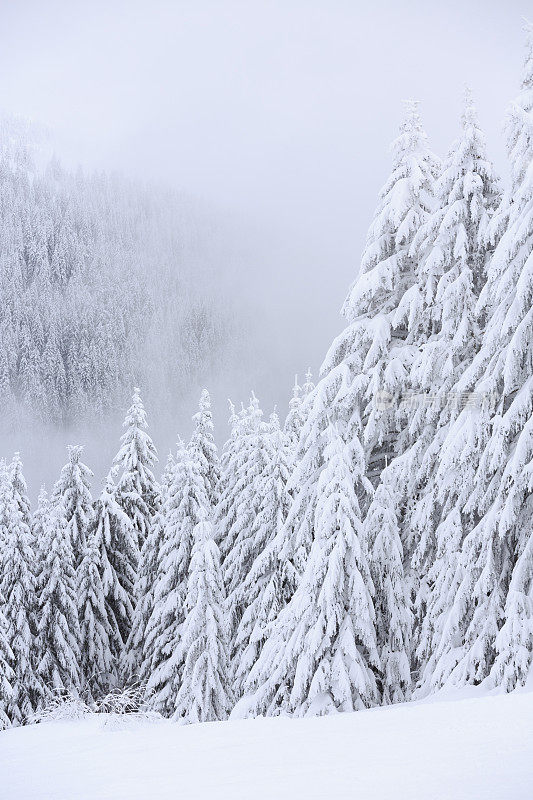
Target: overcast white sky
{"x": 279, "y": 112}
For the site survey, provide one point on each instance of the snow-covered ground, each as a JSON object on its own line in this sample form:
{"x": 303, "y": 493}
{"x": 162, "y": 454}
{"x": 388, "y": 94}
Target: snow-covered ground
{"x": 455, "y": 749}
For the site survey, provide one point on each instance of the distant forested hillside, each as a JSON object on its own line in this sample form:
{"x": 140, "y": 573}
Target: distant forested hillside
{"x": 103, "y": 286}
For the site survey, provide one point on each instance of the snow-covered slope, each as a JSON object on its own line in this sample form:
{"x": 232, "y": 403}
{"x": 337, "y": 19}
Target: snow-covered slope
{"x": 478, "y": 748}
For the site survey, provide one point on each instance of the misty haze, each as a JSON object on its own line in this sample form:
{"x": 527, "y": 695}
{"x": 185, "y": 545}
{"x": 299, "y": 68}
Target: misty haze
{"x": 266, "y": 392}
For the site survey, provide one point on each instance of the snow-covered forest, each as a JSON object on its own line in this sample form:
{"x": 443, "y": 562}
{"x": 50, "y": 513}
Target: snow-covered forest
{"x": 373, "y": 547}
{"x": 105, "y": 284}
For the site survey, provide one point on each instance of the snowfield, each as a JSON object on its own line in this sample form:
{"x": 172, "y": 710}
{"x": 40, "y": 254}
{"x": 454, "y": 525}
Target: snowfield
{"x": 471, "y": 748}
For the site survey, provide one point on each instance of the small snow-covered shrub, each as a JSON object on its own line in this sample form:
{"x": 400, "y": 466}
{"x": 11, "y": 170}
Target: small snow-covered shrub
{"x": 63, "y": 704}
{"x": 128, "y": 700}
{"x": 121, "y": 702}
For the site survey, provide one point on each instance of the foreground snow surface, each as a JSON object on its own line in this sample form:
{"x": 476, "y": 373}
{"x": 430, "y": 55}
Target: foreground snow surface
{"x": 475, "y": 748}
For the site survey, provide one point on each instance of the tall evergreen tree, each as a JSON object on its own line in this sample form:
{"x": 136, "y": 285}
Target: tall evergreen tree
{"x": 204, "y": 694}
{"x": 295, "y": 418}
{"x": 166, "y": 477}
{"x": 229, "y": 471}
{"x": 38, "y": 523}
{"x": 204, "y": 450}
{"x": 137, "y": 490}
{"x": 375, "y": 350}
{"x": 272, "y": 579}
{"x": 97, "y": 663}
{"x": 17, "y": 587}
{"x": 185, "y": 507}
{"x": 20, "y": 488}
{"x": 134, "y": 665}
{"x": 321, "y": 655}
{"x": 116, "y": 541}
{"x": 366, "y": 370}
{"x": 298, "y": 411}
{"x": 394, "y": 621}
{"x": 7, "y": 676}
{"x": 245, "y": 505}
{"x": 308, "y": 386}
{"x": 147, "y": 574}
{"x": 482, "y": 633}
{"x": 447, "y": 331}
{"x": 73, "y": 492}
{"x": 58, "y": 635}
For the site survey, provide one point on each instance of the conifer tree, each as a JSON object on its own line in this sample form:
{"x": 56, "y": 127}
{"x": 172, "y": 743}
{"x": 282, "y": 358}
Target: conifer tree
{"x": 20, "y": 488}
{"x": 185, "y": 507}
{"x": 271, "y": 580}
{"x": 7, "y": 676}
{"x": 73, "y": 492}
{"x": 375, "y": 350}
{"x": 146, "y": 579}
{"x": 229, "y": 469}
{"x": 447, "y": 332}
{"x": 321, "y": 655}
{"x": 137, "y": 491}
{"x": 17, "y": 587}
{"x": 204, "y": 450}
{"x": 204, "y": 694}
{"x": 295, "y": 418}
{"x": 244, "y": 507}
{"x": 391, "y": 594}
{"x": 308, "y": 386}
{"x": 58, "y": 635}
{"x": 480, "y": 632}
{"x": 97, "y": 663}
{"x": 366, "y": 370}
{"x": 38, "y": 524}
{"x": 298, "y": 409}
{"x": 116, "y": 542}
{"x": 166, "y": 477}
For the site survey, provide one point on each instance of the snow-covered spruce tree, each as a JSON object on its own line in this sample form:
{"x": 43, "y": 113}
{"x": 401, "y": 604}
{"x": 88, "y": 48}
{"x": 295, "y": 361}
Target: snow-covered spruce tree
{"x": 245, "y": 505}
{"x": 204, "y": 450}
{"x": 272, "y": 579}
{"x": 446, "y": 326}
{"x": 57, "y": 643}
{"x": 146, "y": 579}
{"x": 38, "y": 524}
{"x": 7, "y": 676}
{"x": 307, "y": 390}
{"x": 295, "y": 418}
{"x": 134, "y": 665}
{"x": 116, "y": 541}
{"x": 137, "y": 491}
{"x": 514, "y": 641}
{"x": 303, "y": 481}
{"x": 4, "y": 491}
{"x": 97, "y": 662}
{"x": 487, "y": 631}
{"x": 298, "y": 410}
{"x": 321, "y": 654}
{"x": 20, "y": 488}
{"x": 204, "y": 694}
{"x": 17, "y": 587}
{"x": 394, "y": 620}
{"x": 229, "y": 463}
{"x": 308, "y": 386}
{"x": 377, "y": 347}
{"x": 370, "y": 360}
{"x": 166, "y": 478}
{"x": 73, "y": 492}
{"x": 185, "y": 507}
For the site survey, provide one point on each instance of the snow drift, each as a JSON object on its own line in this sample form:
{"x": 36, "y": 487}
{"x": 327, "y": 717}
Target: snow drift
{"x": 450, "y": 749}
